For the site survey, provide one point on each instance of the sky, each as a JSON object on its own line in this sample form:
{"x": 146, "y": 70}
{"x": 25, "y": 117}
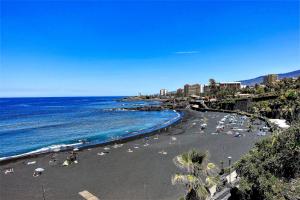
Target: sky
{"x": 116, "y": 48}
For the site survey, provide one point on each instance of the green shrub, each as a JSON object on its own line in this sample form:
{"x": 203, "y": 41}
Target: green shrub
{"x": 291, "y": 94}
{"x": 270, "y": 166}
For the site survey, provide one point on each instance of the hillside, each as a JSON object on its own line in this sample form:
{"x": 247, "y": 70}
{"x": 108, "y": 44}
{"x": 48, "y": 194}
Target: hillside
{"x": 259, "y": 79}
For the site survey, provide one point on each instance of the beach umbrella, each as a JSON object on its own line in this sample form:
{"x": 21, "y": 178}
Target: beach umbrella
{"x": 39, "y": 169}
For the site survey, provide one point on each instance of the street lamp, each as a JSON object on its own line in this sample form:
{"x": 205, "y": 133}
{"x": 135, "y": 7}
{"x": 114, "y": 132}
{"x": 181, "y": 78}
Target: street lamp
{"x": 229, "y": 162}
{"x": 44, "y": 198}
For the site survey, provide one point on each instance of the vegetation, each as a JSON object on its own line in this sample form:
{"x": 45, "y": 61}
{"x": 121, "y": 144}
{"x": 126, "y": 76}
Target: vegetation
{"x": 199, "y": 175}
{"x": 215, "y": 91}
{"x": 213, "y": 88}
{"x": 278, "y": 100}
{"x": 271, "y": 170}
{"x": 286, "y": 106}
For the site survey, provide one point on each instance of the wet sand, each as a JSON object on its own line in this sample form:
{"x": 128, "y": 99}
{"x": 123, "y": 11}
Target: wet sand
{"x": 144, "y": 173}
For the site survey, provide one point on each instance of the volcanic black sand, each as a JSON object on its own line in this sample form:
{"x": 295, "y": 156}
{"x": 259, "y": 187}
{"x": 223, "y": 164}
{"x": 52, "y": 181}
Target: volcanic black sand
{"x": 144, "y": 173}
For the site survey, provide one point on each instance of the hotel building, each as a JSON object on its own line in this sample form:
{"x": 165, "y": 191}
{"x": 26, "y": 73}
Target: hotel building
{"x": 179, "y": 92}
{"x": 230, "y": 85}
{"x": 270, "y": 79}
{"x": 191, "y": 90}
{"x": 163, "y": 92}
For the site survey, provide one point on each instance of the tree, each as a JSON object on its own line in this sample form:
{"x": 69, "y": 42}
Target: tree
{"x": 213, "y": 86}
{"x": 272, "y": 167}
{"x": 291, "y": 94}
{"x": 260, "y": 90}
{"x": 201, "y": 174}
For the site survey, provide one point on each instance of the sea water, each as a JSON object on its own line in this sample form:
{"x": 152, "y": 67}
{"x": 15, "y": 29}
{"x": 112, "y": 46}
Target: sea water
{"x": 32, "y": 125}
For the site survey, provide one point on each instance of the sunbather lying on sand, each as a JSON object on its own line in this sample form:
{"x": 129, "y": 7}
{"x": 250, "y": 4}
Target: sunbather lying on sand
{"x": 9, "y": 170}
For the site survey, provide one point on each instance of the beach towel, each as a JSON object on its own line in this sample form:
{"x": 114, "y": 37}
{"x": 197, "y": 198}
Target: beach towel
{"x": 66, "y": 163}
{"x": 31, "y": 163}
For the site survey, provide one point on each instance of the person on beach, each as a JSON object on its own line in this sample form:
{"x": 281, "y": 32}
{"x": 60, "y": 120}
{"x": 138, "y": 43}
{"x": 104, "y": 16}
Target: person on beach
{"x": 53, "y": 159}
{"x": 35, "y": 174}
{"x": 72, "y": 158}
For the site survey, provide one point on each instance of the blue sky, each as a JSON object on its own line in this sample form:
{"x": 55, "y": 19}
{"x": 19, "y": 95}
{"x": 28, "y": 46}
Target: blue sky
{"x": 94, "y": 48}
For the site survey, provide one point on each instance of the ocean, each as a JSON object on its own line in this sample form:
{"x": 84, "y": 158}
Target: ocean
{"x": 37, "y": 125}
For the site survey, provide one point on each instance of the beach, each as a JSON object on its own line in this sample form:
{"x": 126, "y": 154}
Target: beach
{"x": 137, "y": 169}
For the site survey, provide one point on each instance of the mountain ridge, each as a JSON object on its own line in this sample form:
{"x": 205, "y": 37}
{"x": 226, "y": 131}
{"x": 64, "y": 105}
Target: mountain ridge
{"x": 259, "y": 79}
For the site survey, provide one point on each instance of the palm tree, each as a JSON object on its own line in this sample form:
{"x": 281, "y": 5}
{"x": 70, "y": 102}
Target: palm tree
{"x": 201, "y": 174}
{"x": 213, "y": 86}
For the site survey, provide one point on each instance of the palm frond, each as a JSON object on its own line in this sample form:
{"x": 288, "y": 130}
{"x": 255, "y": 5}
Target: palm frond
{"x": 211, "y": 166}
{"x": 184, "y": 179}
{"x": 201, "y": 174}
{"x": 212, "y": 169}
{"x": 191, "y": 160}
{"x": 197, "y": 157}
{"x": 202, "y": 192}
{"x": 212, "y": 180}
{"x": 183, "y": 163}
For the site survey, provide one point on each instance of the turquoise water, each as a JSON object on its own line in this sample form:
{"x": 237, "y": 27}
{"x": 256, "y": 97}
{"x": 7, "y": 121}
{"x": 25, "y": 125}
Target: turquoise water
{"x": 43, "y": 124}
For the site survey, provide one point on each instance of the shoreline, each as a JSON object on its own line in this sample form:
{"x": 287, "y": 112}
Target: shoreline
{"x": 70, "y": 147}
{"x": 139, "y": 169}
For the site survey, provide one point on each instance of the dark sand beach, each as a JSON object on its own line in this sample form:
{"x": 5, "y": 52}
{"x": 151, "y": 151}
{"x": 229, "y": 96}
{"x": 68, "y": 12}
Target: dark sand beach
{"x": 144, "y": 173}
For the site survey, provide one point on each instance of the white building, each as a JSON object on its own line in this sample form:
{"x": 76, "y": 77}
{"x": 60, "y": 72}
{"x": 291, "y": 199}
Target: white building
{"x": 163, "y": 92}
{"x": 201, "y": 89}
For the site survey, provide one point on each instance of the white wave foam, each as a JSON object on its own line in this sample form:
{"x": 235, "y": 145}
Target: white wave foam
{"x": 60, "y": 147}
{"x": 52, "y": 148}
{"x": 173, "y": 119}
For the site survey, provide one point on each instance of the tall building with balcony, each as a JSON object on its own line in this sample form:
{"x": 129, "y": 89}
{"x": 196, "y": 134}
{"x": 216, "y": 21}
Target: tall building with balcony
{"x": 179, "y": 92}
{"x": 270, "y": 79}
{"x": 191, "y": 90}
{"x": 206, "y": 89}
{"x": 163, "y": 92}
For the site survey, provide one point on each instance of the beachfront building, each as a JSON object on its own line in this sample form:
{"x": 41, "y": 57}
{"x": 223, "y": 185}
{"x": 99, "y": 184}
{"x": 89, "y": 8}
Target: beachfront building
{"x": 191, "y": 90}
{"x": 270, "y": 79}
{"x": 206, "y": 89}
{"x": 163, "y": 92}
{"x": 222, "y": 86}
{"x": 230, "y": 85}
{"x": 201, "y": 89}
{"x": 171, "y": 93}
{"x": 179, "y": 92}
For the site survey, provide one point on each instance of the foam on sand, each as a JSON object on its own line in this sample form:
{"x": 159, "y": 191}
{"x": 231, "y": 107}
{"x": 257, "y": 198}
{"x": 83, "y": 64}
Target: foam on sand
{"x": 52, "y": 148}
